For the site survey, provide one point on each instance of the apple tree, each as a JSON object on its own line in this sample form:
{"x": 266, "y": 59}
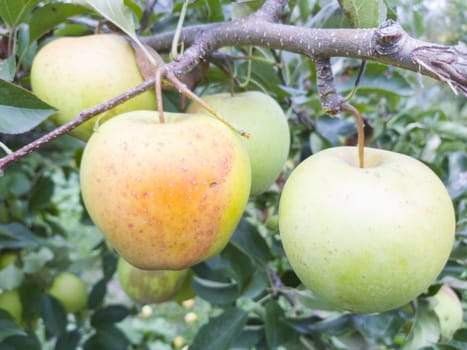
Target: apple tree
{"x": 82, "y": 265}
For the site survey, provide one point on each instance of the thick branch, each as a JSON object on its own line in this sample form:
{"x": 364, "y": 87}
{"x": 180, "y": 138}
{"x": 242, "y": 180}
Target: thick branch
{"x": 388, "y": 44}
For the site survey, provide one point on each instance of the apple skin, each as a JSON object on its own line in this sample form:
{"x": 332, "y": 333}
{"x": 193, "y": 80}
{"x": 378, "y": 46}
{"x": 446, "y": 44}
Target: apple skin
{"x": 448, "y": 308}
{"x": 166, "y": 196}
{"x": 70, "y": 290}
{"x": 150, "y": 286}
{"x": 366, "y": 240}
{"x": 10, "y": 302}
{"x": 75, "y": 73}
{"x": 262, "y": 117}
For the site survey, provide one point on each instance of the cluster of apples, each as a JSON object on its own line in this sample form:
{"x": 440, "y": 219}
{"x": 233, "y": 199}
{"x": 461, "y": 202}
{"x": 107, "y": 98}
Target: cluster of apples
{"x": 169, "y": 195}
{"x": 165, "y": 195}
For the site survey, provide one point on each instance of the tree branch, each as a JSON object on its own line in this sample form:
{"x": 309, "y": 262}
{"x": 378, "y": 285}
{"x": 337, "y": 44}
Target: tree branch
{"x": 389, "y": 44}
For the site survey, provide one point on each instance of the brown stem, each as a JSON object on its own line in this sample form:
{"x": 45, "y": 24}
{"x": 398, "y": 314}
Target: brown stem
{"x": 360, "y": 131}
{"x": 158, "y": 87}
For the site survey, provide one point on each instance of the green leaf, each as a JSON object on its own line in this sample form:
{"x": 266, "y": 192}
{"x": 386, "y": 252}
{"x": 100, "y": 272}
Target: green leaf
{"x": 239, "y": 264}
{"x": 242, "y": 9}
{"x": 16, "y": 236}
{"x": 14, "y": 12}
{"x": 215, "y": 292}
{"x": 16, "y": 342}
{"x": 248, "y": 238}
{"x": 96, "y": 297}
{"x": 425, "y": 329}
{"x": 41, "y": 194}
{"x": 11, "y": 277}
{"x": 109, "y": 314}
{"x": 20, "y": 110}
{"x": 220, "y": 331}
{"x": 8, "y": 68}
{"x": 365, "y": 13}
{"x": 54, "y": 315}
{"x": 278, "y": 332}
{"x": 68, "y": 340}
{"x": 48, "y": 16}
{"x": 35, "y": 261}
{"x": 8, "y": 326}
{"x": 108, "y": 338}
{"x": 457, "y": 181}
{"x": 215, "y": 10}
{"x": 451, "y": 130}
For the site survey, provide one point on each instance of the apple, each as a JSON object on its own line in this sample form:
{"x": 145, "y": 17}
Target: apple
{"x": 70, "y": 290}
{"x": 150, "y": 286}
{"x": 165, "y": 195}
{"x": 448, "y": 308}
{"x": 365, "y": 239}
{"x": 10, "y": 302}
{"x": 7, "y": 258}
{"x": 262, "y": 117}
{"x": 75, "y": 73}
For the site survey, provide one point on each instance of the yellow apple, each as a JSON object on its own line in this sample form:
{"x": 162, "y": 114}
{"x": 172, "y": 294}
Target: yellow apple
{"x": 366, "y": 239}
{"x": 10, "y": 302}
{"x": 74, "y": 73}
{"x": 262, "y": 117}
{"x": 150, "y": 286}
{"x": 70, "y": 290}
{"x": 448, "y": 308}
{"x": 165, "y": 195}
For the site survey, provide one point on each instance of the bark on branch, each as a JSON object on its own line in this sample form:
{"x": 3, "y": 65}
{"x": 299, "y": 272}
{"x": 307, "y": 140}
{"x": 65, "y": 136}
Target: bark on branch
{"x": 389, "y": 44}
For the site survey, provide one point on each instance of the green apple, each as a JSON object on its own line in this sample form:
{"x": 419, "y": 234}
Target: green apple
{"x": 150, "y": 286}
{"x": 366, "y": 239}
{"x": 448, "y": 308}
{"x": 70, "y": 290}
{"x": 165, "y": 195}
{"x": 7, "y": 258}
{"x": 10, "y": 302}
{"x": 75, "y": 73}
{"x": 262, "y": 117}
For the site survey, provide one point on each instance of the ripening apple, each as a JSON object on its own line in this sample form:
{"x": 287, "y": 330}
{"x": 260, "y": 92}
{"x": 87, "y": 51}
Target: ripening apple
{"x": 10, "y": 302}
{"x": 262, "y": 117}
{"x": 70, "y": 290}
{"x": 150, "y": 286}
{"x": 366, "y": 239}
{"x": 165, "y": 195}
{"x": 75, "y": 73}
{"x": 448, "y": 308}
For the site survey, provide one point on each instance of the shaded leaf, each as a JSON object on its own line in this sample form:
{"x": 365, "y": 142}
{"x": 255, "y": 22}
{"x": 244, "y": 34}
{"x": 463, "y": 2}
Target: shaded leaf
{"x": 68, "y": 340}
{"x": 16, "y": 236}
{"x": 248, "y": 238}
{"x": 425, "y": 329}
{"x": 277, "y": 331}
{"x": 239, "y": 263}
{"x": 48, "y": 16}
{"x": 20, "y": 110}
{"x": 96, "y": 297}
{"x": 8, "y": 68}
{"x": 8, "y": 326}
{"x": 16, "y": 342}
{"x": 54, "y": 315}
{"x": 365, "y": 13}
{"x": 35, "y": 261}
{"x": 108, "y": 338}
{"x": 41, "y": 194}
{"x": 109, "y": 314}
{"x": 220, "y": 331}
{"x": 215, "y": 292}
{"x": 11, "y": 277}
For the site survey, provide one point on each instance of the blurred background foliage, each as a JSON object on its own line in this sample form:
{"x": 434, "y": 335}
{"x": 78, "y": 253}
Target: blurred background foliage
{"x": 247, "y": 297}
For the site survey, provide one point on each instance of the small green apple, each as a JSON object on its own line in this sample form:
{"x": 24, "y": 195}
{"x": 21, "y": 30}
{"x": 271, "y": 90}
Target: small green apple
{"x": 262, "y": 117}
{"x": 75, "y": 73}
{"x": 10, "y": 302}
{"x": 70, "y": 290}
{"x": 165, "y": 195}
{"x": 448, "y": 308}
{"x": 150, "y": 286}
{"x": 7, "y": 258}
{"x": 366, "y": 239}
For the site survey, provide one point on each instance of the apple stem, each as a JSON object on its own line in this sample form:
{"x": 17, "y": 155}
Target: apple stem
{"x": 158, "y": 88}
{"x": 360, "y": 131}
{"x": 183, "y": 89}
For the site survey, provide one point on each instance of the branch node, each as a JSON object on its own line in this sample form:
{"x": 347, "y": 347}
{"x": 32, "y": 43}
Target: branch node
{"x": 387, "y": 38}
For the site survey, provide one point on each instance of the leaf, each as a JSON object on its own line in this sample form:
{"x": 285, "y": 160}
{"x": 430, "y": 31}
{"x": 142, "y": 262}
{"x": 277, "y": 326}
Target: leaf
{"x": 16, "y": 342}
{"x": 277, "y": 331}
{"x": 450, "y": 129}
{"x": 13, "y": 12}
{"x": 121, "y": 15}
{"x": 8, "y": 326}
{"x": 20, "y": 110}
{"x": 41, "y": 194}
{"x": 240, "y": 264}
{"x": 457, "y": 181}
{"x": 334, "y": 129}
{"x": 215, "y": 10}
{"x": 96, "y": 297}
{"x": 365, "y": 13}
{"x": 242, "y": 9}
{"x": 425, "y": 329}
{"x": 35, "y": 261}
{"x": 16, "y": 236}
{"x": 248, "y": 238}
{"x": 54, "y": 315}
{"x": 48, "y": 16}
{"x": 215, "y": 292}
{"x": 109, "y": 314}
{"x": 8, "y": 68}
{"x": 11, "y": 277}
{"x": 68, "y": 340}
{"x": 108, "y": 338}
{"x": 220, "y": 331}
